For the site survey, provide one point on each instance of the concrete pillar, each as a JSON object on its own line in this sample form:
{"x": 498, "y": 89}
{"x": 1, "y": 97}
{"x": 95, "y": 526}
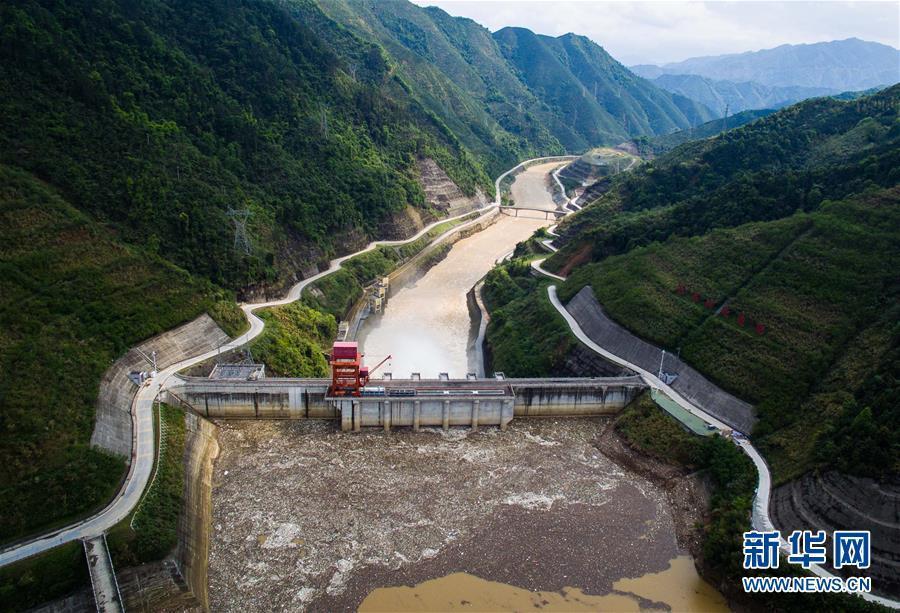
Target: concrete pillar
{"x": 475, "y": 407}
{"x": 386, "y": 414}
{"x": 417, "y": 409}
{"x": 446, "y": 415}
{"x": 346, "y": 411}
{"x": 357, "y": 415}
{"x": 506, "y": 415}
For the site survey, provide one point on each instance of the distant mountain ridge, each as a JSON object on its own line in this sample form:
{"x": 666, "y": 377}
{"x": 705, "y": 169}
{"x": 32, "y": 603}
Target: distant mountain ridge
{"x": 731, "y": 97}
{"x": 840, "y": 65}
{"x": 599, "y": 98}
{"x": 514, "y": 94}
{"x": 658, "y": 145}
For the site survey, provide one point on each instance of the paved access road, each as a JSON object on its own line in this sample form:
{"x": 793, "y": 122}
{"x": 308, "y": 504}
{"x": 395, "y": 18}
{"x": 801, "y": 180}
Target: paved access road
{"x": 143, "y": 440}
{"x": 761, "y": 520}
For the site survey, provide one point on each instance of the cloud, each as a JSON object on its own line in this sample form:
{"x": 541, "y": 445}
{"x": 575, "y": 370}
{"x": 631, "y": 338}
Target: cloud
{"x": 660, "y": 32}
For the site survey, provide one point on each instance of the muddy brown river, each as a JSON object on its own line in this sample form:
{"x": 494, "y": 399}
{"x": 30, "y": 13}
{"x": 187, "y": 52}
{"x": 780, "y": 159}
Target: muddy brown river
{"x": 425, "y": 326}
{"x": 535, "y": 518}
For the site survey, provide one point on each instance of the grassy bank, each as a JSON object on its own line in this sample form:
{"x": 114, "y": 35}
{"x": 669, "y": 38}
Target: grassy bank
{"x": 151, "y": 532}
{"x": 295, "y": 341}
{"x": 820, "y": 284}
{"x": 526, "y": 335}
{"x": 337, "y": 292}
{"x": 36, "y": 580}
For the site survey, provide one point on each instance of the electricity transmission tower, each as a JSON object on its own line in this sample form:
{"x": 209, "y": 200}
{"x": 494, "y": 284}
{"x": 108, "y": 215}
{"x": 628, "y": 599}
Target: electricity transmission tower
{"x": 241, "y": 240}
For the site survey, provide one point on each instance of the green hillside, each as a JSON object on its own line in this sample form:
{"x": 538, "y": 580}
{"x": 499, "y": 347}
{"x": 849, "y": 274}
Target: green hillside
{"x": 515, "y": 94}
{"x": 789, "y": 161}
{"x": 72, "y": 299}
{"x": 601, "y": 100}
{"x": 818, "y": 283}
{"x": 766, "y": 257}
{"x": 455, "y": 70}
{"x": 158, "y": 131}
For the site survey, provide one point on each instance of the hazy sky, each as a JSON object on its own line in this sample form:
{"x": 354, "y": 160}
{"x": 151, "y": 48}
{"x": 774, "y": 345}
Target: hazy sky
{"x": 659, "y": 32}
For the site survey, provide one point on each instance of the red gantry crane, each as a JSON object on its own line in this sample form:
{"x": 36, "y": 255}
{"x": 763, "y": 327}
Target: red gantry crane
{"x": 348, "y": 377}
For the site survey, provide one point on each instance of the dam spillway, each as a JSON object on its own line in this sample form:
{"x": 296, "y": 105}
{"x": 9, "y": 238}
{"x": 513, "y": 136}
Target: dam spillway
{"x": 411, "y": 403}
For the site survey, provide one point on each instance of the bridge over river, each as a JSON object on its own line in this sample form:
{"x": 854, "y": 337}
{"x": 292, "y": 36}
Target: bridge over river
{"x": 413, "y": 403}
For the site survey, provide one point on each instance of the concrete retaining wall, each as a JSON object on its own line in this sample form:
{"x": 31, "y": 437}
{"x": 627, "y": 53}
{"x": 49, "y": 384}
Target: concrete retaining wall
{"x": 113, "y": 424}
{"x": 562, "y": 400}
{"x": 690, "y": 383}
{"x": 265, "y": 399}
{"x": 192, "y": 553}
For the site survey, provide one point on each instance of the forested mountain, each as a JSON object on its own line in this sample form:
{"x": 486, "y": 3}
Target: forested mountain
{"x": 731, "y": 97}
{"x": 453, "y": 68}
{"x": 157, "y": 118}
{"x": 793, "y": 159}
{"x": 594, "y": 94}
{"x": 840, "y": 65}
{"x": 160, "y": 132}
{"x": 793, "y": 220}
{"x": 514, "y": 93}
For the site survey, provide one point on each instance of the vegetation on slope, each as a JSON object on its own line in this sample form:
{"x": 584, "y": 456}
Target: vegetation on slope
{"x": 295, "y": 341}
{"x": 453, "y": 67}
{"x": 514, "y": 94}
{"x": 526, "y": 335}
{"x": 72, "y": 300}
{"x": 791, "y": 160}
{"x": 657, "y": 145}
{"x": 151, "y": 532}
{"x": 732, "y": 478}
{"x": 159, "y": 132}
{"x": 600, "y": 100}
{"x": 33, "y": 581}
{"x": 725, "y": 96}
{"x": 814, "y": 281}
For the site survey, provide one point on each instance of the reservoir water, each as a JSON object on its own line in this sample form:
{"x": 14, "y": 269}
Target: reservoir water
{"x": 425, "y": 326}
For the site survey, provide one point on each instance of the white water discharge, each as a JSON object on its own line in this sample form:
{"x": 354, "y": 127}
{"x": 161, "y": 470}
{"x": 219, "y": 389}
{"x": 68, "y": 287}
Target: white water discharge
{"x": 425, "y": 326}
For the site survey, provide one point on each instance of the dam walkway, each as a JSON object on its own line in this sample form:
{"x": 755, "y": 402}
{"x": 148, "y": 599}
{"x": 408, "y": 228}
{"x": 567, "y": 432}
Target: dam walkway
{"x": 411, "y": 402}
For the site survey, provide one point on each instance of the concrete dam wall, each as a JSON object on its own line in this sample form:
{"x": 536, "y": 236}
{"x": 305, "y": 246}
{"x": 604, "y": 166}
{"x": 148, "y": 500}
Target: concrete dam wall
{"x": 413, "y": 403}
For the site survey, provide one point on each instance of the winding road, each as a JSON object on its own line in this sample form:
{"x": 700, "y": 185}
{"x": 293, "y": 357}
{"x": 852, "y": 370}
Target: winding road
{"x": 760, "y": 519}
{"x": 143, "y": 440}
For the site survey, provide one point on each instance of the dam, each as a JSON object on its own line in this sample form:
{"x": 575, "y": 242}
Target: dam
{"x": 411, "y": 403}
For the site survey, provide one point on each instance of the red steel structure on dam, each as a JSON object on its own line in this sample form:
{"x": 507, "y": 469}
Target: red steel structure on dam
{"x": 348, "y": 377}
